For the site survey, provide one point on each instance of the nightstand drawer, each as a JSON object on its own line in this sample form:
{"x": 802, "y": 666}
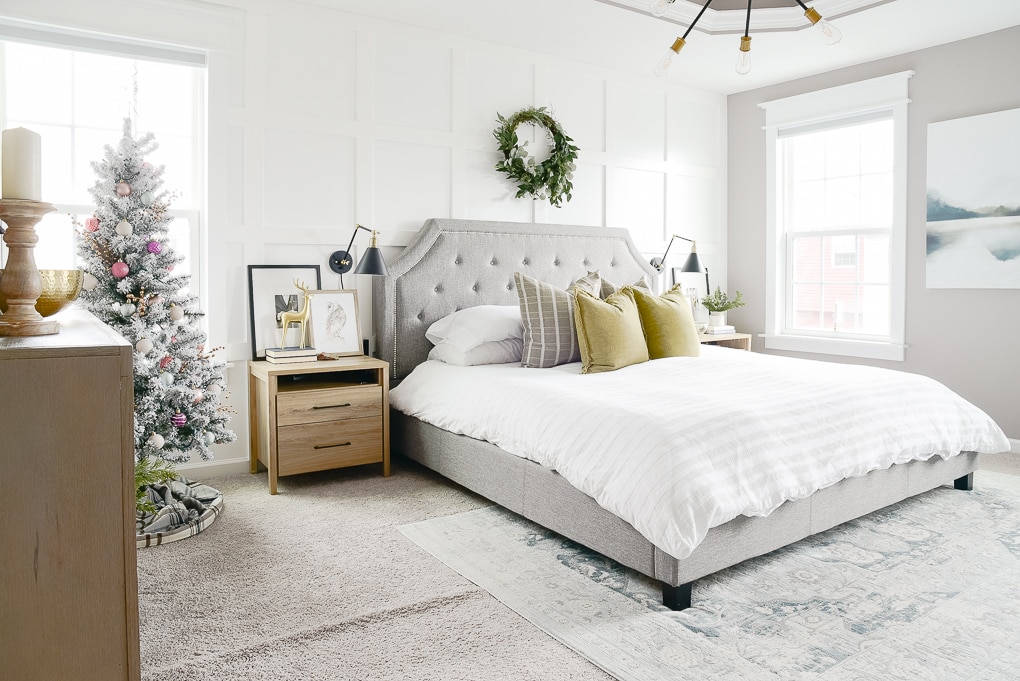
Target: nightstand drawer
{"x": 315, "y": 406}
{"x": 331, "y": 444}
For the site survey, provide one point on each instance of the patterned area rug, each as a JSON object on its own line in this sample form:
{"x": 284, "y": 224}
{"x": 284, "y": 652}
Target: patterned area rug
{"x": 926, "y": 589}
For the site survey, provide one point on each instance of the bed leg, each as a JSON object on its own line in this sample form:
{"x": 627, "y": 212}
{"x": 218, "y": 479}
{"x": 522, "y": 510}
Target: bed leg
{"x": 966, "y": 483}
{"x": 677, "y": 597}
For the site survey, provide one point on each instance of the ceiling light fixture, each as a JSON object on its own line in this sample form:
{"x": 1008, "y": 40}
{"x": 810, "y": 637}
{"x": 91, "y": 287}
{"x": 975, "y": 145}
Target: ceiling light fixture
{"x": 829, "y": 33}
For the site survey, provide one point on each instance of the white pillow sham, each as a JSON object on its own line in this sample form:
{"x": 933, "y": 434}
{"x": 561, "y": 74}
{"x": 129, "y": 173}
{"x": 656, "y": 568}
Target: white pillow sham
{"x": 492, "y": 352}
{"x": 468, "y": 328}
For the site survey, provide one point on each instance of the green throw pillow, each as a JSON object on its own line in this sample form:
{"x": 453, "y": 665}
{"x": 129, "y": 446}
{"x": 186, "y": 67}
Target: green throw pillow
{"x": 608, "y": 331}
{"x": 667, "y": 323}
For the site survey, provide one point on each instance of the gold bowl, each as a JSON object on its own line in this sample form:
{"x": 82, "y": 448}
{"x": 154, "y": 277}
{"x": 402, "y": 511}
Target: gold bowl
{"x": 59, "y": 289}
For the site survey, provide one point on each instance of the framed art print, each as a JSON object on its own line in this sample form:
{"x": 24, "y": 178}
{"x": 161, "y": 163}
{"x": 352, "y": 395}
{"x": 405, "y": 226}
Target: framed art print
{"x": 272, "y": 290}
{"x": 336, "y": 329}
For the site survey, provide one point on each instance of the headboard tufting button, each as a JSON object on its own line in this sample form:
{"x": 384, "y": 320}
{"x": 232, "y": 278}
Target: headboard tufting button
{"x": 475, "y": 287}
{"x": 526, "y": 261}
{"x": 421, "y": 316}
{"x": 493, "y": 262}
{"x": 556, "y": 262}
{"x": 438, "y": 289}
{"x": 457, "y": 261}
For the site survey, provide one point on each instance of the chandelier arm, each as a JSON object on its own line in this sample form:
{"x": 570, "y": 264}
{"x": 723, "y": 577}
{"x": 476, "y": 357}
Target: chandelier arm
{"x": 696, "y": 19}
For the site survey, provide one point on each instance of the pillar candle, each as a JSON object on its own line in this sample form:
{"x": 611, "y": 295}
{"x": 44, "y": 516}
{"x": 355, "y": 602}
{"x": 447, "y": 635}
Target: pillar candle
{"x": 22, "y": 164}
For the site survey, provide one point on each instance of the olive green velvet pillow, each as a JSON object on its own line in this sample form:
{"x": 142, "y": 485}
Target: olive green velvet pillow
{"x": 608, "y": 331}
{"x": 667, "y": 323}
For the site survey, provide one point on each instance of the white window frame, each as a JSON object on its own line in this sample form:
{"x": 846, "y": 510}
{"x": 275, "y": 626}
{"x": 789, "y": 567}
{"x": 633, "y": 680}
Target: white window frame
{"x": 66, "y": 38}
{"x": 886, "y": 93}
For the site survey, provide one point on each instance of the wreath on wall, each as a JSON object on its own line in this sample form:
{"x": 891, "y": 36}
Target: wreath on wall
{"x": 550, "y": 179}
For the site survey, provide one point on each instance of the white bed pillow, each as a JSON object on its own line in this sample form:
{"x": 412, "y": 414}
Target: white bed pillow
{"x": 468, "y": 328}
{"x": 492, "y": 352}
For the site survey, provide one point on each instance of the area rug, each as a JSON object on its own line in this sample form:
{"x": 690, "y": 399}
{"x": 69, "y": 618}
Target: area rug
{"x": 926, "y": 589}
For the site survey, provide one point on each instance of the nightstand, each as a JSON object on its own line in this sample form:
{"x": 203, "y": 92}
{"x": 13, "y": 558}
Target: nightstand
{"x": 313, "y": 416}
{"x": 741, "y": 341}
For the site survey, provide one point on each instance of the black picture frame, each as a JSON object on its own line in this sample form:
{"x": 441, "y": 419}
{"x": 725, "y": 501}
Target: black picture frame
{"x": 269, "y": 287}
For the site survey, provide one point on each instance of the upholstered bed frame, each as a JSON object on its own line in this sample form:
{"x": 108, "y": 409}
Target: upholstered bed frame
{"x": 454, "y": 264}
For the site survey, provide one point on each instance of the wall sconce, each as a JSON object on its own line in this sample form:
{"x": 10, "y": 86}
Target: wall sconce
{"x": 371, "y": 262}
{"x": 692, "y": 264}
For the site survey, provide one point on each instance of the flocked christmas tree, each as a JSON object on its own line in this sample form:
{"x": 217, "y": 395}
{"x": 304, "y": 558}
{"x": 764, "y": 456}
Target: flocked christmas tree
{"x": 130, "y": 284}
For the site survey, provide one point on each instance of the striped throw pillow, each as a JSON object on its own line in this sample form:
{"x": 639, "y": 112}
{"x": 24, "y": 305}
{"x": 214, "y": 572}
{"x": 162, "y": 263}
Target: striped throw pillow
{"x": 547, "y": 312}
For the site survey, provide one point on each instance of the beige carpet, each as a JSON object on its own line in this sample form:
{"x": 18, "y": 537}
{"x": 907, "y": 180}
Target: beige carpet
{"x": 317, "y": 583}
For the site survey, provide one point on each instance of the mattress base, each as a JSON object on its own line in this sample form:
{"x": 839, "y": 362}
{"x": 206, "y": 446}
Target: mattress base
{"x": 544, "y": 497}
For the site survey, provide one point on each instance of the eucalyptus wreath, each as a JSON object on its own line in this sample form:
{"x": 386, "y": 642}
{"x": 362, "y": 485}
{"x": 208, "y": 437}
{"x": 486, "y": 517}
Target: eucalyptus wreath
{"x": 550, "y": 179}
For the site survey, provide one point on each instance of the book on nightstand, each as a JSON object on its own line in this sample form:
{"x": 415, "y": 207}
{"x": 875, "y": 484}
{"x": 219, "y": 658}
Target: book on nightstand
{"x": 721, "y": 329}
{"x": 293, "y": 354}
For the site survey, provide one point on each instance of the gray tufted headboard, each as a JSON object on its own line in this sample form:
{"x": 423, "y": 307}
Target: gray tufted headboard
{"x": 454, "y": 264}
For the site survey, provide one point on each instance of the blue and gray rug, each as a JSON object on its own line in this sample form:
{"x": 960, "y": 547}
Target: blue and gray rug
{"x": 926, "y": 589}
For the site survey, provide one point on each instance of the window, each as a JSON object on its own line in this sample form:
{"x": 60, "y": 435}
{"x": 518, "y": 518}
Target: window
{"x": 77, "y": 99}
{"x": 836, "y": 183}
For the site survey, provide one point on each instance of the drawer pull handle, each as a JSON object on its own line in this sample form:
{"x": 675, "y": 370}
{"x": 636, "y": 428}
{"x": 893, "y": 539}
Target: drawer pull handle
{"x": 339, "y": 444}
{"x": 331, "y": 406}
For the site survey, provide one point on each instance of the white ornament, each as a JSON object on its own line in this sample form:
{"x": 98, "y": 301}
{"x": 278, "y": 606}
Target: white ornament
{"x": 127, "y": 309}
{"x": 89, "y": 282}
{"x": 147, "y": 199}
{"x": 143, "y": 346}
{"x": 197, "y": 395}
{"x": 209, "y": 438}
{"x": 176, "y": 313}
{"x": 115, "y": 307}
{"x": 124, "y": 228}
{"x": 166, "y": 379}
{"x": 156, "y": 441}
{"x": 215, "y": 389}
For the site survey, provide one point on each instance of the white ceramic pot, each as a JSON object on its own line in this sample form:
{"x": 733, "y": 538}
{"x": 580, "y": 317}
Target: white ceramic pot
{"x": 717, "y": 319}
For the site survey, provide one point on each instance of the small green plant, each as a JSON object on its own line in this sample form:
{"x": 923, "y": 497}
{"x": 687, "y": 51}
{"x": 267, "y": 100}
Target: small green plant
{"x": 150, "y": 471}
{"x": 719, "y": 302}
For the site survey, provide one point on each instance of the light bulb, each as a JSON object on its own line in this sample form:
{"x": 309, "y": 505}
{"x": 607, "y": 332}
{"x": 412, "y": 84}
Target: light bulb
{"x": 743, "y": 65}
{"x": 659, "y": 7}
{"x": 665, "y": 63}
{"x": 829, "y": 33}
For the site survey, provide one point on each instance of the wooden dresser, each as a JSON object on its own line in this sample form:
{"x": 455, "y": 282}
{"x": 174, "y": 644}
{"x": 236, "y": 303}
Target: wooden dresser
{"x": 68, "y": 581}
{"x": 313, "y": 416}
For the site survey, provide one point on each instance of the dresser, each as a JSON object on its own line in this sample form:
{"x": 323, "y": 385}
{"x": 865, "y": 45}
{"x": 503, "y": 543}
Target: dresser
{"x": 69, "y": 592}
{"x": 313, "y": 416}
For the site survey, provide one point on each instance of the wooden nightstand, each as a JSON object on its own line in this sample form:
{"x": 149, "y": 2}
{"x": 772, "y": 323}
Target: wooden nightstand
{"x": 741, "y": 341}
{"x": 313, "y": 416}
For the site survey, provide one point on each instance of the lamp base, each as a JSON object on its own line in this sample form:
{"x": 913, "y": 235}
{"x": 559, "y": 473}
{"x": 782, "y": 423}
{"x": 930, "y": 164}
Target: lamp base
{"x": 340, "y": 262}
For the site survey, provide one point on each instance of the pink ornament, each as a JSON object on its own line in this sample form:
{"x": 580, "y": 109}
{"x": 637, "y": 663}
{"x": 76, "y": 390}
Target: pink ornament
{"x": 120, "y": 269}
{"x": 154, "y": 247}
{"x": 165, "y": 362}
{"x": 178, "y": 419}
{"x": 197, "y": 395}
{"x": 123, "y": 188}
{"x": 92, "y": 224}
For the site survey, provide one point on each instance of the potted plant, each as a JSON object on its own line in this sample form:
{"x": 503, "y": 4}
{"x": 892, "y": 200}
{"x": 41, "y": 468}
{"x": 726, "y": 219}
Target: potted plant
{"x": 718, "y": 303}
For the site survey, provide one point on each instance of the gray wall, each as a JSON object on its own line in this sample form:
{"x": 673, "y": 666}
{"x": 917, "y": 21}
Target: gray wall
{"x": 966, "y": 338}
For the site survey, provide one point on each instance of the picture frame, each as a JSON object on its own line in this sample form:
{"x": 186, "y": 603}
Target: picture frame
{"x": 336, "y": 326}
{"x": 271, "y": 291}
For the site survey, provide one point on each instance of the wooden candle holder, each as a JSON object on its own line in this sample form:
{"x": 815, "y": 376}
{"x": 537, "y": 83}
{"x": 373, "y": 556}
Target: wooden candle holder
{"x": 20, "y": 283}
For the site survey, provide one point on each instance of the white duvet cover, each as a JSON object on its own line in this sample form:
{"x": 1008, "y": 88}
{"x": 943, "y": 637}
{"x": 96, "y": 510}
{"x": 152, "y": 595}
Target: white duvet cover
{"x": 677, "y": 446}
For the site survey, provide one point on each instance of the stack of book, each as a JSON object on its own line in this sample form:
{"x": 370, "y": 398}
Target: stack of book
{"x": 721, "y": 329}
{"x": 288, "y": 355}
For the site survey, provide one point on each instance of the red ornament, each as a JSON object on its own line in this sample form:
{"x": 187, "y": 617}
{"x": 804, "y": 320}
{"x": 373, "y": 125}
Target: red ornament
{"x": 123, "y": 188}
{"x": 92, "y": 224}
{"x": 120, "y": 269}
{"x": 165, "y": 362}
{"x": 178, "y": 419}
{"x": 154, "y": 247}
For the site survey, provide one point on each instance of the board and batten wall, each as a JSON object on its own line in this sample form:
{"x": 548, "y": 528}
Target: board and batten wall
{"x": 320, "y": 119}
{"x": 965, "y": 338}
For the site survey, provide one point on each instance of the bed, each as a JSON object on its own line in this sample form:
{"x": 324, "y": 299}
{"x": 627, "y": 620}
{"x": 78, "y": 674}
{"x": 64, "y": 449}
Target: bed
{"x": 458, "y": 264}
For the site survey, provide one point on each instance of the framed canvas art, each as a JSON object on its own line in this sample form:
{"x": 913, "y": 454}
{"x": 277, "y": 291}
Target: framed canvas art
{"x": 273, "y": 290}
{"x": 336, "y": 329}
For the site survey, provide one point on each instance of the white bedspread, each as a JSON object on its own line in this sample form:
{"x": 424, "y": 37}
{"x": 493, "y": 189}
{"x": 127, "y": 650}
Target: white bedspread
{"x": 677, "y": 446}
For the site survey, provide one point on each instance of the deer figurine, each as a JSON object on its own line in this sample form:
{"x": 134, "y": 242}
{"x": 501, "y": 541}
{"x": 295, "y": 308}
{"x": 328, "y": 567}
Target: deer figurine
{"x": 300, "y": 317}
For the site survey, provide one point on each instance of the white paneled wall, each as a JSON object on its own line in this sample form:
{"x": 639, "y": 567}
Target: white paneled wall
{"x": 320, "y": 119}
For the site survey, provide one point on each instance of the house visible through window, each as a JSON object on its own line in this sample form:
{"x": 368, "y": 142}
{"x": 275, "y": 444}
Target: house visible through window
{"x": 77, "y": 100}
{"x": 836, "y": 218}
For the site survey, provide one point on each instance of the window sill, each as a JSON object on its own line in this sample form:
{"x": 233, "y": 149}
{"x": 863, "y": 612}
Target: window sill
{"x": 836, "y": 346}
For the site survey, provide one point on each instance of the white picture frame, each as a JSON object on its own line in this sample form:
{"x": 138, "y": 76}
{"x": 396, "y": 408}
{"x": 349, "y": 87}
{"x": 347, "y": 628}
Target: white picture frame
{"x": 336, "y": 327}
